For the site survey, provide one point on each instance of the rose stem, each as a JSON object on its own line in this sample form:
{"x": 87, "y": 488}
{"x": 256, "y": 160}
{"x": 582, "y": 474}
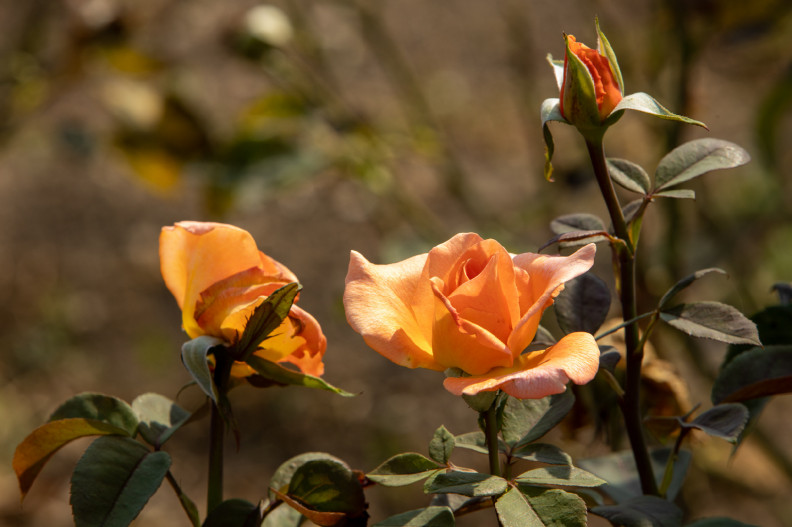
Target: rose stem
{"x": 630, "y": 403}
{"x": 214, "y": 491}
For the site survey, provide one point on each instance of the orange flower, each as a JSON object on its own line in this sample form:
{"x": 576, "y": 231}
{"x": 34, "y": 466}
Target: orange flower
{"x": 471, "y": 305}
{"x": 218, "y": 277}
{"x": 577, "y": 98}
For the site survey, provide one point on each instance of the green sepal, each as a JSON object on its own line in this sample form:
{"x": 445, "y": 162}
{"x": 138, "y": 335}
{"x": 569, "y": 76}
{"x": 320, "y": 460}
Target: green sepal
{"x": 580, "y": 94}
{"x": 551, "y": 111}
{"x": 265, "y": 319}
{"x": 643, "y": 102}
{"x": 604, "y": 48}
{"x": 274, "y": 373}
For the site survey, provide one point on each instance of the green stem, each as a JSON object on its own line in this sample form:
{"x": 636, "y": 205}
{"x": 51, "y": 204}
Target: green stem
{"x": 491, "y": 434}
{"x": 630, "y": 403}
{"x": 217, "y": 426}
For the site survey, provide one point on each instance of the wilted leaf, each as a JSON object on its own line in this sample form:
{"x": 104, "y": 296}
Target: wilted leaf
{"x": 113, "y": 480}
{"x": 466, "y": 483}
{"x": 755, "y": 373}
{"x": 695, "y": 158}
{"x": 712, "y": 320}
{"x": 642, "y": 511}
{"x": 441, "y": 445}
{"x": 628, "y": 175}
{"x": 583, "y": 305}
{"x": 428, "y": 517}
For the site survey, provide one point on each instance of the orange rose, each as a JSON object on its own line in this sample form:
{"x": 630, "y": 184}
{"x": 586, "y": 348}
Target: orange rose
{"x": 471, "y": 305}
{"x": 218, "y": 277}
{"x": 579, "y": 103}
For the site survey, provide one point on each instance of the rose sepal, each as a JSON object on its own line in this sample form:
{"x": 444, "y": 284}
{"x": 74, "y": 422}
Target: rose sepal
{"x": 643, "y": 102}
{"x": 270, "y": 373}
{"x": 266, "y": 318}
{"x": 604, "y": 48}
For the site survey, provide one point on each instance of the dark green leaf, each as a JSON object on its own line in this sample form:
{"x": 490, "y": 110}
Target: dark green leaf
{"x": 629, "y": 175}
{"x": 113, "y": 480}
{"x": 577, "y": 238}
{"x": 719, "y": 522}
{"x": 695, "y": 158}
{"x": 583, "y": 305}
{"x": 712, "y": 320}
{"x": 755, "y": 373}
{"x": 525, "y": 421}
{"x": 482, "y": 401}
{"x": 159, "y": 417}
{"x": 476, "y": 441}
{"x": 265, "y": 319}
{"x": 724, "y": 420}
{"x": 556, "y": 507}
{"x": 428, "y": 517}
{"x": 98, "y": 407}
{"x": 775, "y": 328}
{"x": 559, "y": 475}
{"x": 684, "y": 283}
{"x": 515, "y": 511}
{"x": 642, "y": 511}
{"x": 645, "y": 103}
{"x": 618, "y": 469}
{"x": 327, "y": 485}
{"x": 195, "y": 355}
{"x": 234, "y": 513}
{"x": 404, "y": 469}
{"x": 576, "y": 222}
{"x": 441, "y": 445}
{"x": 676, "y": 193}
{"x": 283, "y": 475}
{"x": 283, "y": 516}
{"x": 609, "y": 358}
{"x": 542, "y": 453}
{"x": 284, "y": 376}
{"x": 466, "y": 483}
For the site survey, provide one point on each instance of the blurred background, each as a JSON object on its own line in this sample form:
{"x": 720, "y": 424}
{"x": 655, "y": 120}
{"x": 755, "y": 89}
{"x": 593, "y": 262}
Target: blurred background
{"x": 386, "y": 127}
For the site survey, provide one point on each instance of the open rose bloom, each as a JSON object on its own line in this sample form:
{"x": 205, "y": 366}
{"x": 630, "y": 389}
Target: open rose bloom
{"x": 471, "y": 305}
{"x": 218, "y": 277}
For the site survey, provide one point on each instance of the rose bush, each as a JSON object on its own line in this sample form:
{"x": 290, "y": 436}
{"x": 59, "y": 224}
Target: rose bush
{"x": 471, "y": 305}
{"x": 218, "y": 277}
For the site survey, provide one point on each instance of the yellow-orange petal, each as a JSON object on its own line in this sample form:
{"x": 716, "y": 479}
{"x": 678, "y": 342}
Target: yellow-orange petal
{"x": 538, "y": 374}
{"x": 546, "y": 277}
{"x": 194, "y": 255}
{"x": 378, "y": 304}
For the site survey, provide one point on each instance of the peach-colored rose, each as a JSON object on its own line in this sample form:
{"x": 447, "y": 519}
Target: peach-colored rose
{"x": 218, "y": 277}
{"x": 469, "y": 304}
{"x": 607, "y": 92}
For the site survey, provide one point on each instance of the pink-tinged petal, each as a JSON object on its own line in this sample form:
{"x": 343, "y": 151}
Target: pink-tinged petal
{"x": 194, "y": 255}
{"x": 460, "y": 343}
{"x": 545, "y": 280}
{"x": 378, "y": 300}
{"x": 538, "y": 374}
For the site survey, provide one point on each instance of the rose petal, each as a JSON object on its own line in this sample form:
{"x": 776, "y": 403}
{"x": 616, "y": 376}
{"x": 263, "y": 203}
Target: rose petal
{"x": 546, "y": 276}
{"x": 378, "y": 304}
{"x": 194, "y": 255}
{"x": 538, "y": 374}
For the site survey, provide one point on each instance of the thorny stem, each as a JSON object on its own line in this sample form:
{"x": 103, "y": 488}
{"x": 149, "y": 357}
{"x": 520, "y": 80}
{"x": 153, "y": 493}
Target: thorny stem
{"x": 630, "y": 403}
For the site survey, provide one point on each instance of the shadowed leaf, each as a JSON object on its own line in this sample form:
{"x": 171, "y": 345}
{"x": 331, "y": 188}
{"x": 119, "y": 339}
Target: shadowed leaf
{"x": 684, "y": 283}
{"x": 712, "y": 320}
{"x": 642, "y": 511}
{"x": 159, "y": 417}
{"x": 428, "y": 517}
{"x": 234, "y": 513}
{"x": 525, "y": 421}
{"x": 515, "y": 511}
{"x": 724, "y": 420}
{"x": 194, "y": 356}
{"x": 99, "y": 407}
{"x": 583, "y": 305}
{"x": 404, "y": 469}
{"x": 265, "y": 319}
{"x": 755, "y": 373}
{"x": 466, "y": 483}
{"x": 628, "y": 175}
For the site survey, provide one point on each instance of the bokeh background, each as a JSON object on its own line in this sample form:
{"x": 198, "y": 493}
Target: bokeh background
{"x": 382, "y": 126}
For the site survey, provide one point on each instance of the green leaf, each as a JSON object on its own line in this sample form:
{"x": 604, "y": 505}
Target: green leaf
{"x": 576, "y": 222}
{"x": 113, "y": 480}
{"x": 514, "y": 511}
{"x": 681, "y": 193}
{"x": 695, "y": 158}
{"x": 428, "y": 517}
{"x": 642, "y": 511}
{"x": 556, "y": 507}
{"x": 684, "y": 283}
{"x": 525, "y": 421}
{"x": 466, "y": 483}
{"x": 265, "y": 319}
{"x": 645, "y": 103}
{"x": 629, "y": 175}
{"x": 542, "y": 453}
{"x": 283, "y": 475}
{"x": 712, "y": 320}
{"x": 583, "y": 305}
{"x": 559, "y": 475}
{"x": 284, "y": 376}
{"x": 719, "y": 522}
{"x": 441, "y": 445}
{"x": 38, "y": 447}
{"x": 194, "y": 356}
{"x": 99, "y": 407}
{"x": 551, "y": 111}
{"x": 577, "y": 238}
{"x": 618, "y": 469}
{"x": 755, "y": 373}
{"x": 234, "y": 513}
{"x": 726, "y": 421}
{"x": 475, "y": 441}
{"x": 159, "y": 417}
{"x": 404, "y": 469}
{"x": 328, "y": 485}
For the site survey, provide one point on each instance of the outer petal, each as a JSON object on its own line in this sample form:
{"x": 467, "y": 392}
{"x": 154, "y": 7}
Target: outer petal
{"x": 195, "y": 255}
{"x": 535, "y": 375}
{"x": 378, "y": 300}
{"x": 546, "y": 276}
